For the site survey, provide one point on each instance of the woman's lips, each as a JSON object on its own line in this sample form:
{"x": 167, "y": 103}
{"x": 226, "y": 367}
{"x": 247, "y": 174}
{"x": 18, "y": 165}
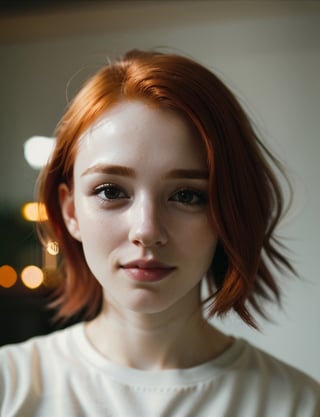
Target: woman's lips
{"x": 147, "y": 271}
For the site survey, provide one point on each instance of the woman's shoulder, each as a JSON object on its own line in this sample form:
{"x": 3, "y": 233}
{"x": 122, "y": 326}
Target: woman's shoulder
{"x": 32, "y": 370}
{"x": 38, "y": 346}
{"x": 279, "y": 376}
{"x": 253, "y": 379}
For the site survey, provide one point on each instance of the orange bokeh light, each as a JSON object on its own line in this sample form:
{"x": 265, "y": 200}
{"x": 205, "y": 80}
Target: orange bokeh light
{"x": 34, "y": 212}
{"x": 8, "y": 276}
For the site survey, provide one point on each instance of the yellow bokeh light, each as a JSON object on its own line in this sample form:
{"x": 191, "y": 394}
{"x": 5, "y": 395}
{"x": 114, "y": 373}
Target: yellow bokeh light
{"x": 53, "y": 247}
{"x": 34, "y": 212}
{"x": 8, "y": 276}
{"x": 32, "y": 276}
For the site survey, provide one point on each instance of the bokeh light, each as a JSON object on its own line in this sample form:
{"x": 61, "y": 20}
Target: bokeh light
{"x": 37, "y": 150}
{"x": 53, "y": 247}
{"x": 34, "y": 212}
{"x": 8, "y": 276}
{"x": 32, "y": 276}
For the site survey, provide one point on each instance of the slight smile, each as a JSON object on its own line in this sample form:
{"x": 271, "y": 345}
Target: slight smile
{"x": 147, "y": 271}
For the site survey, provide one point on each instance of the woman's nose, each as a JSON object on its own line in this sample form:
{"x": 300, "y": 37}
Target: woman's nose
{"x": 147, "y": 224}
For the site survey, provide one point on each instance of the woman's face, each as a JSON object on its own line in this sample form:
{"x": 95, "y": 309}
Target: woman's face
{"x": 140, "y": 208}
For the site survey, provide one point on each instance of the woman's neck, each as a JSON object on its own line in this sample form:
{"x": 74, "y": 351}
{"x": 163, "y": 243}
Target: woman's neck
{"x": 156, "y": 341}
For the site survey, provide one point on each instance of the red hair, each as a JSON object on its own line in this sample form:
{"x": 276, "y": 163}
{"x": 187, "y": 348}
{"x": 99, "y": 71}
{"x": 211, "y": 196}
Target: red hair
{"x": 246, "y": 200}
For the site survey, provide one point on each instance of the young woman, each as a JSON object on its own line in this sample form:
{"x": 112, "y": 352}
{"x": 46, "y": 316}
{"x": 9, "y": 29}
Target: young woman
{"x": 164, "y": 205}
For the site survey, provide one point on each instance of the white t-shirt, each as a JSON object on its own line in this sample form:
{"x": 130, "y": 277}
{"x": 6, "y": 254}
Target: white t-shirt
{"x": 62, "y": 375}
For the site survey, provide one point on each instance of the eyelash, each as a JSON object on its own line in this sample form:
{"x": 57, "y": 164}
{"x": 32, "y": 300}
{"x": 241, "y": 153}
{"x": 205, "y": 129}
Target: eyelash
{"x": 194, "y": 197}
{"x": 200, "y": 197}
{"x": 115, "y": 188}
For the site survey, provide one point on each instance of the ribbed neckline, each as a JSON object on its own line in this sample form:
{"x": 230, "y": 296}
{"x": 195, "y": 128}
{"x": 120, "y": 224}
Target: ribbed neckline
{"x": 156, "y": 378}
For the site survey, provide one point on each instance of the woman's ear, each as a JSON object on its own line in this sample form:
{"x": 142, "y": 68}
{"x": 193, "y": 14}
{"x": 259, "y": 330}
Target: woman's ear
{"x": 68, "y": 211}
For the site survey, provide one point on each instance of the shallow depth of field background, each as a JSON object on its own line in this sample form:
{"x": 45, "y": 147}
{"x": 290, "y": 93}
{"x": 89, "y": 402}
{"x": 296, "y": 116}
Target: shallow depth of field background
{"x": 268, "y": 52}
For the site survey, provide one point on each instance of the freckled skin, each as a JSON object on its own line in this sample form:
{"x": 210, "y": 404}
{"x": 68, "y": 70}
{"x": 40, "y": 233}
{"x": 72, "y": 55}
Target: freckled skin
{"x": 143, "y": 212}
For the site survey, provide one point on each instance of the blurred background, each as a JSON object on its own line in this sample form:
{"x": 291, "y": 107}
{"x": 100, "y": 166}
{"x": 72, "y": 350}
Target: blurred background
{"x": 268, "y": 52}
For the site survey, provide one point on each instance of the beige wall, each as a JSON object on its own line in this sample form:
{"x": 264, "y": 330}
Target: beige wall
{"x": 268, "y": 52}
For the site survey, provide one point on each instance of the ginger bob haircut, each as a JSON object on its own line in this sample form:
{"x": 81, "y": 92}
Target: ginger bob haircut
{"x": 245, "y": 198}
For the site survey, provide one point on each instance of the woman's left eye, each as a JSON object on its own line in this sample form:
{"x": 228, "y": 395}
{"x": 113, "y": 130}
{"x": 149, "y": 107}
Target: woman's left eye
{"x": 189, "y": 197}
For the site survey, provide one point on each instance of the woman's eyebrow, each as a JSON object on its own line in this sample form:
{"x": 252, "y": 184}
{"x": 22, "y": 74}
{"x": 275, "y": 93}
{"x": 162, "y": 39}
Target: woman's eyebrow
{"x": 188, "y": 173}
{"x": 129, "y": 172}
{"x": 109, "y": 169}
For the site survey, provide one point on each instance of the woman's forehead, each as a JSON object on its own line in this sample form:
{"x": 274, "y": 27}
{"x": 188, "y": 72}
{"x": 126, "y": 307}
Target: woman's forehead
{"x": 133, "y": 131}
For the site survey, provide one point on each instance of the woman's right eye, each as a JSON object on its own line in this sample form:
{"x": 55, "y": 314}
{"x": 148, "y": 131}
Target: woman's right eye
{"x": 110, "y": 192}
